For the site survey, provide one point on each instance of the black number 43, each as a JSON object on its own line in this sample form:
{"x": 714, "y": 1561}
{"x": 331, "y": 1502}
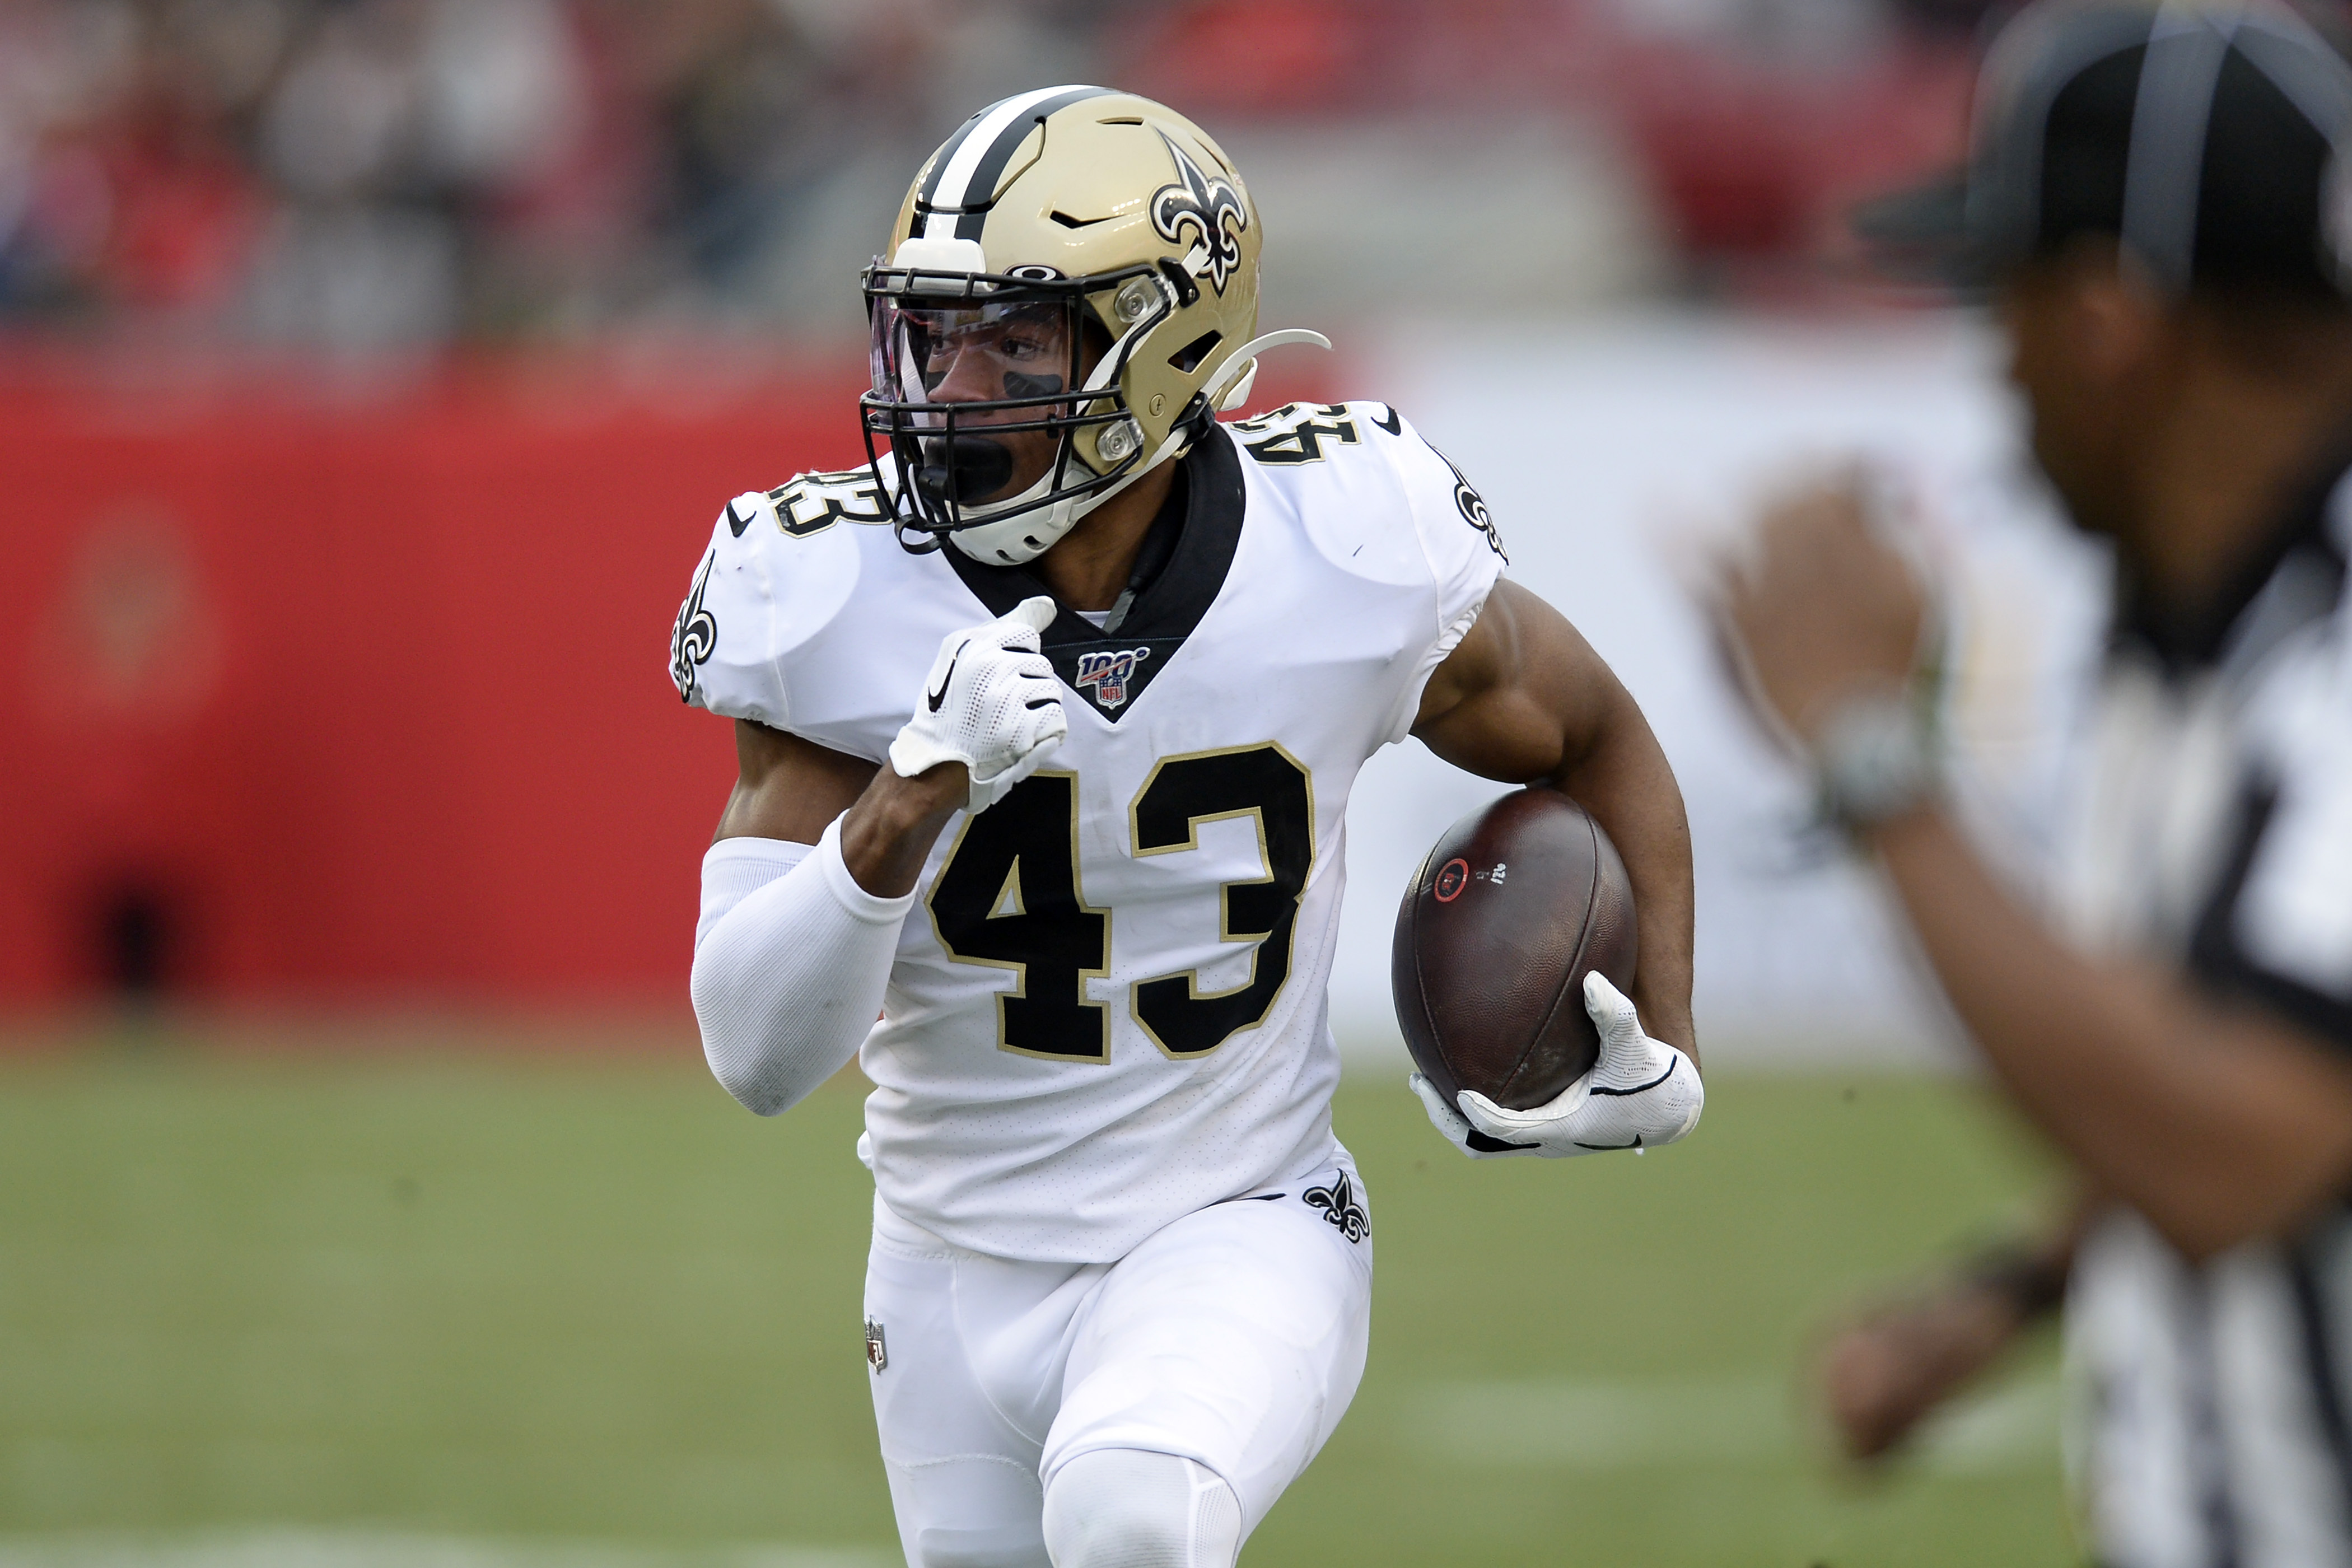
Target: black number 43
{"x": 1009, "y": 897}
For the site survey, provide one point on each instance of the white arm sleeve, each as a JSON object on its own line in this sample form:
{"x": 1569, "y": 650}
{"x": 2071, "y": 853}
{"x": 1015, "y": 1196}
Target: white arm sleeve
{"x": 791, "y": 957}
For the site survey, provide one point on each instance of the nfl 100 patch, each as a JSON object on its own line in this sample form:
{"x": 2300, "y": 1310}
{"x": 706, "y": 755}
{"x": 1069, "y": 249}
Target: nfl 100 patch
{"x": 1108, "y": 673}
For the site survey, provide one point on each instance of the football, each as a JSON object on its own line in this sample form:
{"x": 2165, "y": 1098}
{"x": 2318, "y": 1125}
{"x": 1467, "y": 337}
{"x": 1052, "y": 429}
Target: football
{"x": 1515, "y": 905}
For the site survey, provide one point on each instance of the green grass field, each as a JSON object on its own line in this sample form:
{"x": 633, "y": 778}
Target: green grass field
{"x": 402, "y": 1308}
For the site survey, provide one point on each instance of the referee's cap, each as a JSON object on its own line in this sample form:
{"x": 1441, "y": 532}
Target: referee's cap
{"x": 2206, "y": 137}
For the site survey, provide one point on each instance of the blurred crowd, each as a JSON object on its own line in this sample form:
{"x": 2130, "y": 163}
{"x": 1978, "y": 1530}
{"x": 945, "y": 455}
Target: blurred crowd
{"x": 367, "y": 173}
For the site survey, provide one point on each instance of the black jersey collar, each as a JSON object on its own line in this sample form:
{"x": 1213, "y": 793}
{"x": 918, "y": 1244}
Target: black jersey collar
{"x": 1112, "y": 670}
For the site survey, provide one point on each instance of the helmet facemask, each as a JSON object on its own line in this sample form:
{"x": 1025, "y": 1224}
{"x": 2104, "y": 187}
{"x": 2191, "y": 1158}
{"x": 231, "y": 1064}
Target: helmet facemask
{"x": 1001, "y": 398}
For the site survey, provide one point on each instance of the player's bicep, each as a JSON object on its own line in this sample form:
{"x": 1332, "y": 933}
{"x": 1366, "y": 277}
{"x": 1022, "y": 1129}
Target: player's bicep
{"x": 788, "y": 788}
{"x": 1522, "y": 696}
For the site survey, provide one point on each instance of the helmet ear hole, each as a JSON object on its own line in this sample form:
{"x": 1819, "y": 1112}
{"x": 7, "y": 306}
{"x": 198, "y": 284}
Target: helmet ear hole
{"x": 1188, "y": 359}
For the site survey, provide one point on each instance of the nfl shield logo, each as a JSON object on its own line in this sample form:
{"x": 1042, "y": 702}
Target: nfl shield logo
{"x": 1108, "y": 673}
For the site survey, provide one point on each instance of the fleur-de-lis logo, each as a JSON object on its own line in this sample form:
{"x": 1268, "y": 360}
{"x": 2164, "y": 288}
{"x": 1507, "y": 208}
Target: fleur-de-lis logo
{"x": 1473, "y": 509}
{"x": 1211, "y": 208}
{"x": 695, "y": 636}
{"x": 1340, "y": 1207}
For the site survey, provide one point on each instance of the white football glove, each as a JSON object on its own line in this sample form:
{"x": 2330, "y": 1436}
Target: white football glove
{"x": 1640, "y": 1094}
{"x": 992, "y": 703}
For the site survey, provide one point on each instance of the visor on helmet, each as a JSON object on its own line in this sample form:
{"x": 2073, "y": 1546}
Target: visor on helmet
{"x": 1000, "y": 353}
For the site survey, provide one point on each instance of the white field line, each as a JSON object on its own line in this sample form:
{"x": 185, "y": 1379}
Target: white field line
{"x": 1733, "y": 1422}
{"x": 292, "y": 1548}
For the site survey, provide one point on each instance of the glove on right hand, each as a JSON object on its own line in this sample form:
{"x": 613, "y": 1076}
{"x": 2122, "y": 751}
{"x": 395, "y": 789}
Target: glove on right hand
{"x": 992, "y": 703}
{"x": 1642, "y": 1094}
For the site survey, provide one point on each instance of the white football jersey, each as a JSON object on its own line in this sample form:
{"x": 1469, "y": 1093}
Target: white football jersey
{"x": 1108, "y": 1005}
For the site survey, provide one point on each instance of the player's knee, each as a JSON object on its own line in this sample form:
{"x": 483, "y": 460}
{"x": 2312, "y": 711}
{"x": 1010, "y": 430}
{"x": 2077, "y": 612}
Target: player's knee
{"x": 1125, "y": 1508}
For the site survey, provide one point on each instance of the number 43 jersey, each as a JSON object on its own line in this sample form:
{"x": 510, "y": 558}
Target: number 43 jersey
{"x": 1108, "y": 1006}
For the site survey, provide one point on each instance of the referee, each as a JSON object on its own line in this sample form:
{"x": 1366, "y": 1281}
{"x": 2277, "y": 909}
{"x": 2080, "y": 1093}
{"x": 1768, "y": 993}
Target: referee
{"x": 2157, "y": 207}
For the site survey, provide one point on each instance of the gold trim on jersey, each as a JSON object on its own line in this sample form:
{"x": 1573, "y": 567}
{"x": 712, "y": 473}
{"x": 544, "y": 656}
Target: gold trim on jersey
{"x": 1224, "y": 892}
{"x": 1014, "y": 881}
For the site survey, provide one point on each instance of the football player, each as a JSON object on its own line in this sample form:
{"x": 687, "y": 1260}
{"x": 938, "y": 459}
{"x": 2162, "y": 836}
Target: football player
{"x": 1046, "y": 722}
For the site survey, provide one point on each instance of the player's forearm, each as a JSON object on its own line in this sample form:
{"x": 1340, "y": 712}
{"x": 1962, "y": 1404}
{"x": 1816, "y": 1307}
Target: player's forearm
{"x": 889, "y": 833}
{"x": 2215, "y": 1126}
{"x": 789, "y": 978}
{"x": 1623, "y": 780}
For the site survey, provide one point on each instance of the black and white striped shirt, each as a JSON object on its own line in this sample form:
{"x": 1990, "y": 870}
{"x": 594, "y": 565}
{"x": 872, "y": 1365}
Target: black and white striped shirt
{"x": 2209, "y": 1403}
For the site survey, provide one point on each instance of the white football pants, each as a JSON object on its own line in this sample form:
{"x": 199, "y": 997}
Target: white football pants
{"x": 1233, "y": 1338}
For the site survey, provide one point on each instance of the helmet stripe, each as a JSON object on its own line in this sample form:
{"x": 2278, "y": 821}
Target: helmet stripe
{"x": 965, "y": 175}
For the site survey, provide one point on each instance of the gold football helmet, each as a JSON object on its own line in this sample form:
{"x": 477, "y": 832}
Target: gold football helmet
{"x": 1070, "y": 299}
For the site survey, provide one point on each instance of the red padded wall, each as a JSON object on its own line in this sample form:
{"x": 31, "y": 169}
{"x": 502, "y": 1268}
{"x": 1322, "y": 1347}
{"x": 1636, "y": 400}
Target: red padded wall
{"x": 363, "y": 682}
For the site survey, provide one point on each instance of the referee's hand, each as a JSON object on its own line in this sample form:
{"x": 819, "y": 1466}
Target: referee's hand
{"x": 1881, "y": 1375}
{"x": 1817, "y": 603}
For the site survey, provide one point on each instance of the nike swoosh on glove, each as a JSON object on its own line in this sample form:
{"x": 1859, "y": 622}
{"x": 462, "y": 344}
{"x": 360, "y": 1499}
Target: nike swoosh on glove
{"x": 992, "y": 703}
{"x": 1640, "y": 1093}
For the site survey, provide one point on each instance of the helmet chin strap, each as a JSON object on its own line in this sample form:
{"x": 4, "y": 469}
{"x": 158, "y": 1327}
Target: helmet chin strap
{"x": 1008, "y": 542}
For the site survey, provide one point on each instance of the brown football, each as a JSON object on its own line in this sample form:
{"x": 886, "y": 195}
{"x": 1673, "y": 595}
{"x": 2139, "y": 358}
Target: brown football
{"x": 1517, "y": 902}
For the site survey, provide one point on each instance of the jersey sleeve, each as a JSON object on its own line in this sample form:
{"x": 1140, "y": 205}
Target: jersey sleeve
{"x": 1457, "y": 541}
{"x": 774, "y": 574}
